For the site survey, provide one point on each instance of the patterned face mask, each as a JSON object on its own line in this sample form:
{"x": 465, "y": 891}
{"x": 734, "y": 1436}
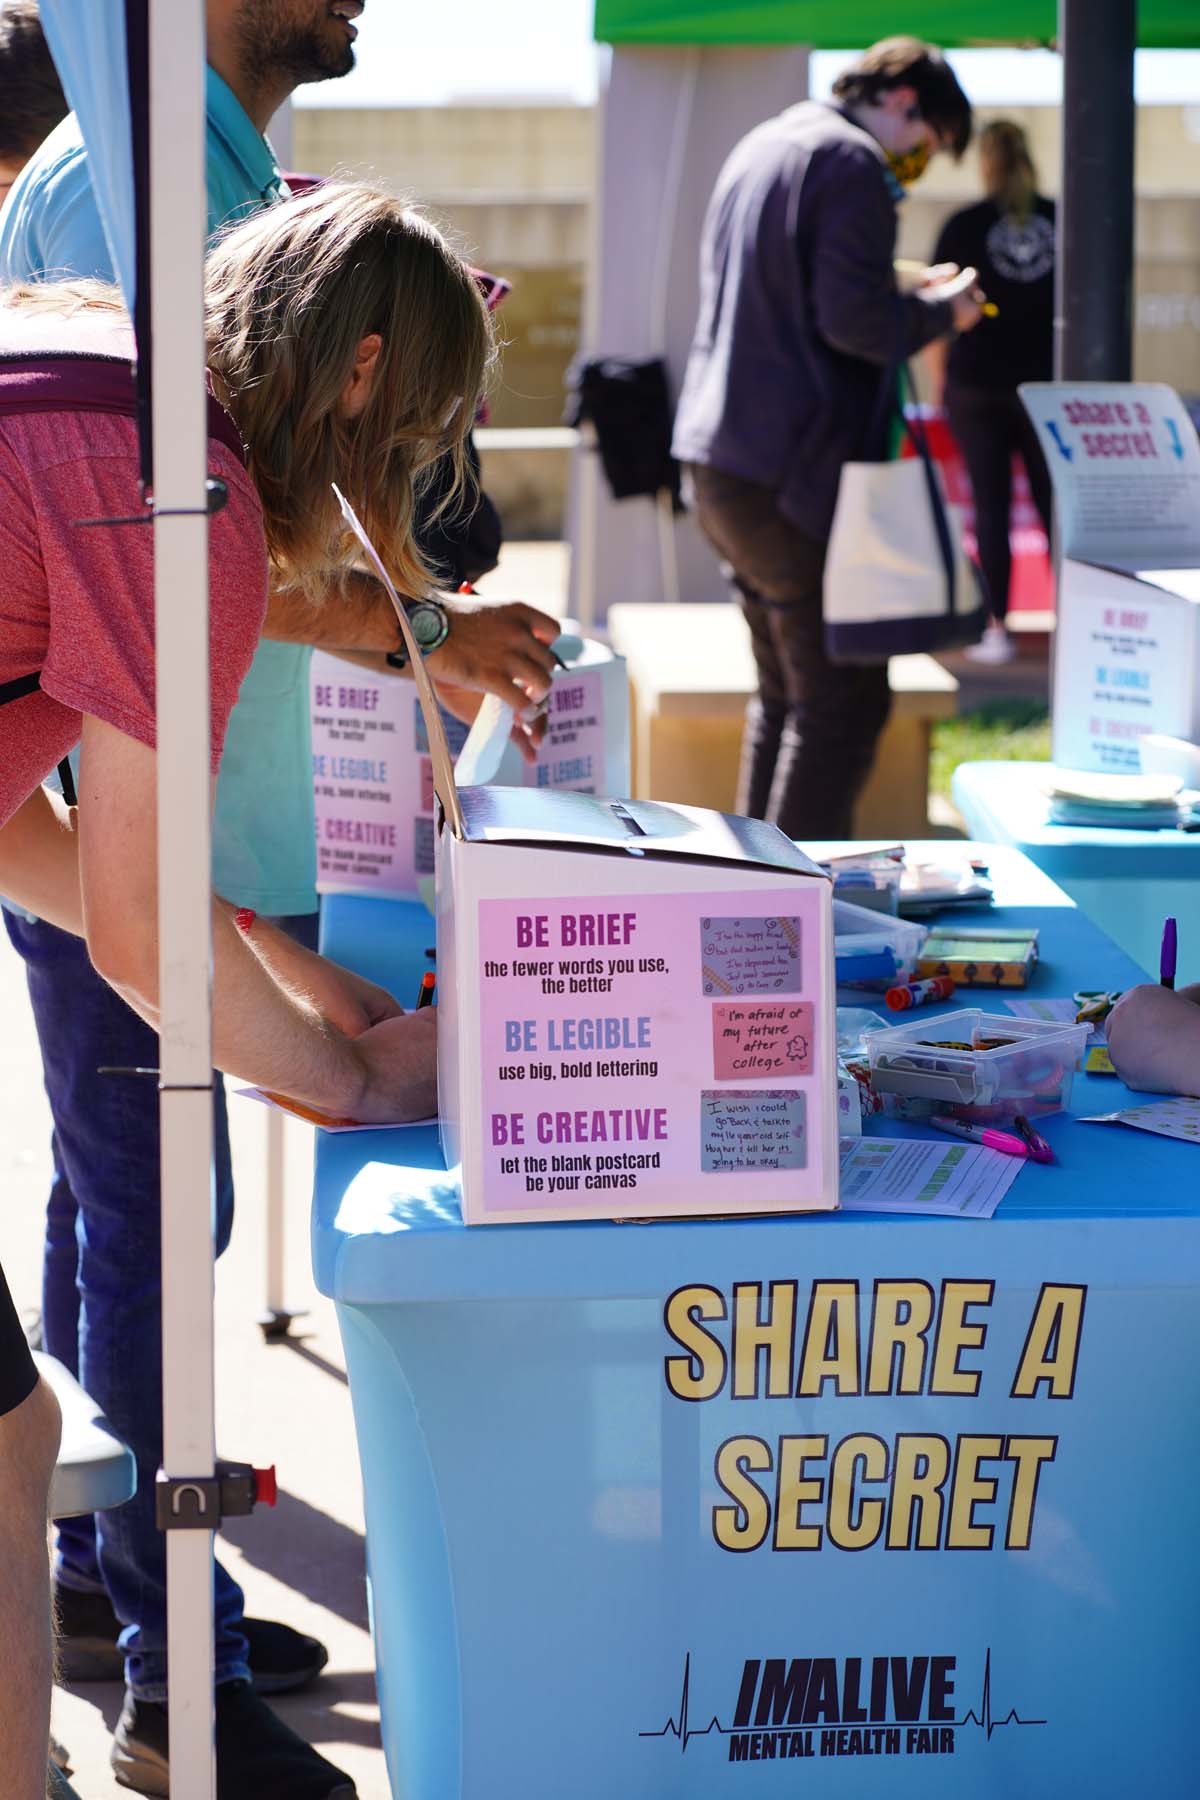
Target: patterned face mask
{"x": 909, "y": 165}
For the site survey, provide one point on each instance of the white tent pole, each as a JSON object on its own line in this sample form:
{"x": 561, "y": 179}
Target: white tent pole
{"x": 178, "y": 217}
{"x": 276, "y": 1318}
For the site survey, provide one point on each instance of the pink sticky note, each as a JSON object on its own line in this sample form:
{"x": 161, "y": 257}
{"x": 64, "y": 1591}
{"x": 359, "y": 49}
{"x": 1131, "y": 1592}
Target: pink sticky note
{"x": 757, "y": 1039}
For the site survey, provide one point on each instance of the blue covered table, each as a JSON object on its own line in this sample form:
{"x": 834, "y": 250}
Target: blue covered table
{"x": 1126, "y": 881}
{"x": 613, "y": 1554}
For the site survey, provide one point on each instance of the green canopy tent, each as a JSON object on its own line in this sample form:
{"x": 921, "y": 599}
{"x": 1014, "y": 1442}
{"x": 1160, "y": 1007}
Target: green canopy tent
{"x": 826, "y": 25}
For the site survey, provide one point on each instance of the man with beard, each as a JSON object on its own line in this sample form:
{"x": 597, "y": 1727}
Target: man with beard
{"x": 101, "y": 1293}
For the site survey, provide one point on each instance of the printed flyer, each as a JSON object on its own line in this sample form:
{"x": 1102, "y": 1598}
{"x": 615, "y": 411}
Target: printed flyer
{"x": 653, "y": 1043}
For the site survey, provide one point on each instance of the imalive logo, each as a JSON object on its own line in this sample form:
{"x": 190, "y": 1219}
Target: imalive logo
{"x": 812, "y": 1706}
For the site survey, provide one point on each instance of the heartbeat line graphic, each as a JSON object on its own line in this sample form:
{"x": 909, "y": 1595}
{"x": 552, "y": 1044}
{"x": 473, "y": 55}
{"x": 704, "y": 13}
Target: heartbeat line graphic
{"x": 680, "y": 1727}
{"x": 983, "y": 1718}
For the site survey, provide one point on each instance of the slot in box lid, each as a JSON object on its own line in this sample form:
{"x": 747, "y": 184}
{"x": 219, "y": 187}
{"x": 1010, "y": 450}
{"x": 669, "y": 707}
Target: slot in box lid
{"x": 536, "y": 817}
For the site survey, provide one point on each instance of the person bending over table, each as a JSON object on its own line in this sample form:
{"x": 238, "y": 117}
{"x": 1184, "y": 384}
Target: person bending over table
{"x": 348, "y": 342}
{"x": 1154, "y": 1039}
{"x": 110, "y": 1567}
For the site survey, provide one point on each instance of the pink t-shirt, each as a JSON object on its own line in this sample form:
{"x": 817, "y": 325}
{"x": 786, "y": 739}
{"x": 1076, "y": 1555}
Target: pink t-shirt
{"x": 78, "y": 601}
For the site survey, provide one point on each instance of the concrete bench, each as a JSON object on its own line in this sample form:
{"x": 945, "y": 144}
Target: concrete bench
{"x": 95, "y": 1470}
{"x": 691, "y": 672}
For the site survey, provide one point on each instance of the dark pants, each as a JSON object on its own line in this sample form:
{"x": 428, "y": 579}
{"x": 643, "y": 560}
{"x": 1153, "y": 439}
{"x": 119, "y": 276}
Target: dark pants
{"x": 812, "y": 727}
{"x": 101, "y": 1284}
{"x": 990, "y": 427}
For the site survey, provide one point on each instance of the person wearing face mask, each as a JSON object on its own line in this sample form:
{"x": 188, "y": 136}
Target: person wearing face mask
{"x": 1009, "y": 238}
{"x": 800, "y": 326}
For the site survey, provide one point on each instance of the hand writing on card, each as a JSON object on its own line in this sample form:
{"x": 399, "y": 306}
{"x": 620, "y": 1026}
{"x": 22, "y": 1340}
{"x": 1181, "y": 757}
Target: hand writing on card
{"x": 398, "y": 1060}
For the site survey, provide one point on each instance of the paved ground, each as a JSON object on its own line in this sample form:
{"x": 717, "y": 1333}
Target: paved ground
{"x": 287, "y": 1404}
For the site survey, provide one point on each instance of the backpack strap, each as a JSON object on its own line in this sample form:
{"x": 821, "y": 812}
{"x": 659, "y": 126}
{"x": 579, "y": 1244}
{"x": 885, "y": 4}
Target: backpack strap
{"x": 70, "y": 381}
{"x": 53, "y": 381}
{"x": 17, "y": 690}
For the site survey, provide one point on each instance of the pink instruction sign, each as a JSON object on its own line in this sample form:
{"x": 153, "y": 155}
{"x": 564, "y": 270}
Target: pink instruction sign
{"x": 571, "y": 755}
{"x": 602, "y": 1042}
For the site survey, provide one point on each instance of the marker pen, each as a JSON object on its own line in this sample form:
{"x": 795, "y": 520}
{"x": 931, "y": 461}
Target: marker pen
{"x": 981, "y": 1134}
{"x": 425, "y": 993}
{"x": 1039, "y": 1149}
{"x": 1167, "y": 955}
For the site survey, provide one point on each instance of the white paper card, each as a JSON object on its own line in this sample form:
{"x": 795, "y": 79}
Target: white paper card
{"x": 909, "y": 1175}
{"x": 1165, "y": 1118}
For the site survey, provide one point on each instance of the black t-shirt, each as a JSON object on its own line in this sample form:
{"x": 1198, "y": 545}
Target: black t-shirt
{"x": 1015, "y": 259}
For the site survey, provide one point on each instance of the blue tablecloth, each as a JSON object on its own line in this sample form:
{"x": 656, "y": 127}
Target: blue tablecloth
{"x": 592, "y": 1574}
{"x": 1126, "y": 881}
{"x": 387, "y": 1225}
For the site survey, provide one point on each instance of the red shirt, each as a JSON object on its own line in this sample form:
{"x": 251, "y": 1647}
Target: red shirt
{"x": 78, "y": 602}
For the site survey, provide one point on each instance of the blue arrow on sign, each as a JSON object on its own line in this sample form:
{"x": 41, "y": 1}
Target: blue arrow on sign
{"x": 1063, "y": 448}
{"x": 1176, "y": 445}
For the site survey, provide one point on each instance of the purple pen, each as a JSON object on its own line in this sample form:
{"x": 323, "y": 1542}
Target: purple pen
{"x": 1039, "y": 1149}
{"x": 1167, "y": 955}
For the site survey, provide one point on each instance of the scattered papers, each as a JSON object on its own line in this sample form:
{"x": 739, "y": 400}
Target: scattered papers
{"x": 1098, "y": 1061}
{"x": 909, "y": 1175}
{"x": 309, "y": 1115}
{"x": 1166, "y": 1118}
{"x": 1059, "y": 1012}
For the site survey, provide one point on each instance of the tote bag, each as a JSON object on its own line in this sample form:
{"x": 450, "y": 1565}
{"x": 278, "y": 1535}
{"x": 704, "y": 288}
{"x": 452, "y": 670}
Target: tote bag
{"x": 897, "y": 579}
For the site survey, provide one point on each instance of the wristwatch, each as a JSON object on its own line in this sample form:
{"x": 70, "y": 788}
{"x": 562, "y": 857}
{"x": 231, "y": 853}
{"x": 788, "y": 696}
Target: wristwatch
{"x": 430, "y": 624}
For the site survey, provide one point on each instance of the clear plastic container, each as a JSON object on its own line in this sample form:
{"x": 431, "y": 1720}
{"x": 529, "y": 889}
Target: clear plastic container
{"x": 872, "y": 882}
{"x": 884, "y": 948}
{"x": 977, "y": 1066}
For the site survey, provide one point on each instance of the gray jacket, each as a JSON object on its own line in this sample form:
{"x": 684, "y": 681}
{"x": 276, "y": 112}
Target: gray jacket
{"x": 800, "y": 318}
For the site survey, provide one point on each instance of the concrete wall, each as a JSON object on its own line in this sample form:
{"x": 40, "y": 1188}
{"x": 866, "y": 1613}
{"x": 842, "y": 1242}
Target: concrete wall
{"x": 515, "y": 184}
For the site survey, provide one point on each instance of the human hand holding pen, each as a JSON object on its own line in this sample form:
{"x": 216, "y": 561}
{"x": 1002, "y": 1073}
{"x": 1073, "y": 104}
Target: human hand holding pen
{"x": 1154, "y": 1039}
{"x": 496, "y": 649}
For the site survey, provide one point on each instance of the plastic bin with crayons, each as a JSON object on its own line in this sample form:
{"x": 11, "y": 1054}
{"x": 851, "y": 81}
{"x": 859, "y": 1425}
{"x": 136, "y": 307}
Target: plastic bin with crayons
{"x": 980, "y": 1067}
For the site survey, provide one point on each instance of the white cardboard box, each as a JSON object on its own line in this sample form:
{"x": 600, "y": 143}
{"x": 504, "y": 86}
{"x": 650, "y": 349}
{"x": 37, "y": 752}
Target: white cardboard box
{"x": 636, "y": 1012}
{"x": 1125, "y": 462}
{"x": 636, "y": 1002}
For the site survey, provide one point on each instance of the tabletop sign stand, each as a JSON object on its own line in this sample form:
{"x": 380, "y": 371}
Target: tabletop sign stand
{"x": 1125, "y": 462}
{"x": 636, "y": 1003}
{"x": 373, "y": 785}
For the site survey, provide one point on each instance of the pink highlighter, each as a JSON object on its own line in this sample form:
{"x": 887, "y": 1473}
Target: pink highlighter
{"x": 981, "y": 1134}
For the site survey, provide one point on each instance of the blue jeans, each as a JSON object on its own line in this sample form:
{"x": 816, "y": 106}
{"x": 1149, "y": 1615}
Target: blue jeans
{"x": 101, "y": 1294}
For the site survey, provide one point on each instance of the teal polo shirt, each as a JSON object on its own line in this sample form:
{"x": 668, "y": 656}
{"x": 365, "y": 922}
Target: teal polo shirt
{"x": 264, "y": 851}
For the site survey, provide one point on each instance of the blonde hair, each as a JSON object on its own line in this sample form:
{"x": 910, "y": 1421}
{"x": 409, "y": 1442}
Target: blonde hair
{"x": 290, "y": 293}
{"x": 1007, "y": 165}
{"x": 64, "y": 298}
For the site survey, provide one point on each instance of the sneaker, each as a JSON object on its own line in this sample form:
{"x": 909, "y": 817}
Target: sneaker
{"x": 995, "y": 646}
{"x": 258, "y": 1756}
{"x": 280, "y": 1659}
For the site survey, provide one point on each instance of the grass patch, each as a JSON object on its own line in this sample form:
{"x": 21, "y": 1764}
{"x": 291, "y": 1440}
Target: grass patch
{"x": 1001, "y": 731}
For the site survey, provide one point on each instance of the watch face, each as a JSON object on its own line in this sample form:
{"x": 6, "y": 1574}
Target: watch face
{"x": 428, "y": 623}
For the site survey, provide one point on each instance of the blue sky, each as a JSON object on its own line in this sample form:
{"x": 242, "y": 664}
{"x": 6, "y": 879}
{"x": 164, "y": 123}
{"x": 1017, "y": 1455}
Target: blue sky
{"x": 424, "y": 52}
